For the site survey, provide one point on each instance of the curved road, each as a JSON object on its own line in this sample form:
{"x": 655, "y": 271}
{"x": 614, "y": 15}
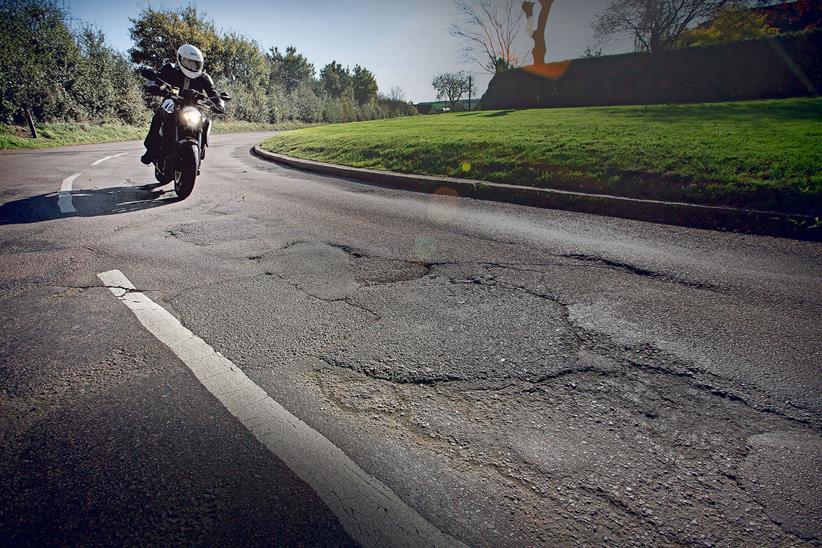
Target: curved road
{"x": 481, "y": 373}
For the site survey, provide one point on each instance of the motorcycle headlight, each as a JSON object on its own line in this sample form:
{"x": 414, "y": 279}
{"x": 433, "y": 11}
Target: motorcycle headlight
{"x": 192, "y": 117}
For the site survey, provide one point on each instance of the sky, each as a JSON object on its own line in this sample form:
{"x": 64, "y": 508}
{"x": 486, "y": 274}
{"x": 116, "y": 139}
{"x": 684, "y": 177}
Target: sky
{"x": 404, "y": 43}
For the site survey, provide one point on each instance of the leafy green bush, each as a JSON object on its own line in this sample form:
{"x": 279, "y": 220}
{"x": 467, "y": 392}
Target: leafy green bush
{"x": 58, "y": 75}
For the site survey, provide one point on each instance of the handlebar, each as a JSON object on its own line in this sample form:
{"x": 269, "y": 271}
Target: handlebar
{"x": 174, "y": 93}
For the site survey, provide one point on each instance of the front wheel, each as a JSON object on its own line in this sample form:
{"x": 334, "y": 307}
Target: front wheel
{"x": 186, "y": 172}
{"x": 161, "y": 177}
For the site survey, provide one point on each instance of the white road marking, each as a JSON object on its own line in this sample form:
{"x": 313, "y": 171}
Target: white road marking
{"x": 64, "y": 200}
{"x": 370, "y": 512}
{"x": 101, "y": 160}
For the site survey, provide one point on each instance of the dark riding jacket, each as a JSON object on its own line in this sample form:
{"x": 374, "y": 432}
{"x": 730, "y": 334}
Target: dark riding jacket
{"x": 171, "y": 74}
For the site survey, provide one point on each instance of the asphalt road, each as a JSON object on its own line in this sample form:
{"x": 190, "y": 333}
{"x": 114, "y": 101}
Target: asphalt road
{"x": 515, "y": 376}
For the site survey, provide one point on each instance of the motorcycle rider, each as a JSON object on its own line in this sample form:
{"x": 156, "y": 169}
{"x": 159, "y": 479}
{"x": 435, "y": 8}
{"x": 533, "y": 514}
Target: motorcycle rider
{"x": 187, "y": 73}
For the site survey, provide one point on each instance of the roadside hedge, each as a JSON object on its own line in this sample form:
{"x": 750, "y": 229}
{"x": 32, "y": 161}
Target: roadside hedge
{"x": 784, "y": 66}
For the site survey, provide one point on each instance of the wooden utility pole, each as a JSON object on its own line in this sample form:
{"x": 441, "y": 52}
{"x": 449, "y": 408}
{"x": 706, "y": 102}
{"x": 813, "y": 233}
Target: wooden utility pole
{"x": 30, "y": 120}
{"x": 470, "y": 86}
{"x": 539, "y": 33}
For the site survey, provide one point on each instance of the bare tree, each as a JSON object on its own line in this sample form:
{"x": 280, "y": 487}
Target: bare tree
{"x": 452, "y": 86}
{"x": 538, "y": 33}
{"x": 397, "y": 94}
{"x": 655, "y": 25}
{"x": 489, "y": 30}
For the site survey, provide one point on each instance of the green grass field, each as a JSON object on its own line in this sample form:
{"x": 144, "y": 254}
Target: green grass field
{"x": 54, "y": 135}
{"x": 765, "y": 154}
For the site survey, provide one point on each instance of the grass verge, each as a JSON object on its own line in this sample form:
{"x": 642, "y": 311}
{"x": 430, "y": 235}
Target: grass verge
{"x": 763, "y": 154}
{"x": 65, "y": 134}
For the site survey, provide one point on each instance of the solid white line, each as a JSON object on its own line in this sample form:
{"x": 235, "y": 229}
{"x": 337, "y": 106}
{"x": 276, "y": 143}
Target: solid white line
{"x": 370, "y": 512}
{"x": 101, "y": 160}
{"x": 64, "y": 200}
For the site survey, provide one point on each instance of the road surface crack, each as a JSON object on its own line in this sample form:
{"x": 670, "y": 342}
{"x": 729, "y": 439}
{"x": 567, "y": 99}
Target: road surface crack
{"x": 641, "y": 356}
{"x": 637, "y": 271}
{"x": 345, "y": 300}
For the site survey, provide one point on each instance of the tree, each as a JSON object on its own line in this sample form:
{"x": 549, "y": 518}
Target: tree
{"x": 397, "y": 94}
{"x": 104, "y": 83}
{"x": 538, "y": 33}
{"x": 393, "y": 105}
{"x": 336, "y": 80}
{"x": 452, "y": 86}
{"x": 60, "y": 75}
{"x": 796, "y": 16}
{"x": 731, "y": 25}
{"x": 655, "y": 25}
{"x": 238, "y": 60}
{"x": 365, "y": 85}
{"x": 235, "y": 62}
{"x": 38, "y": 56}
{"x": 291, "y": 70}
{"x": 489, "y": 31}
{"x": 157, "y": 34}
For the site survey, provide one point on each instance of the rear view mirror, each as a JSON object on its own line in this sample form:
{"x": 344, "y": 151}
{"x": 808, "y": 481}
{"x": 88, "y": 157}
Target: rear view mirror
{"x": 148, "y": 74}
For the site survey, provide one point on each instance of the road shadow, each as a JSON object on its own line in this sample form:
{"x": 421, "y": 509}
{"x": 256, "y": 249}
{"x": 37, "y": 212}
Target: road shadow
{"x": 87, "y": 203}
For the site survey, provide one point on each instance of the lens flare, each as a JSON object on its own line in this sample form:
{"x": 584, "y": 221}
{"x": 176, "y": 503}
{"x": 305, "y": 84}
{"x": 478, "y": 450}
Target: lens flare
{"x": 553, "y": 71}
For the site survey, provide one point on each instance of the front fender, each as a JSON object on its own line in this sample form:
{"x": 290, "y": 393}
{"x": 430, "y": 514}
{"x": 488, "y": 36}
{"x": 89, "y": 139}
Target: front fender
{"x": 188, "y": 143}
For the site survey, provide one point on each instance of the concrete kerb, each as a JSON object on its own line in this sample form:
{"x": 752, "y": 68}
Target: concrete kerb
{"x": 770, "y": 223}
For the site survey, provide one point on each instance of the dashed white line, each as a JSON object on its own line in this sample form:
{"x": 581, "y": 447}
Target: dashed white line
{"x": 64, "y": 200}
{"x": 370, "y": 512}
{"x": 101, "y": 160}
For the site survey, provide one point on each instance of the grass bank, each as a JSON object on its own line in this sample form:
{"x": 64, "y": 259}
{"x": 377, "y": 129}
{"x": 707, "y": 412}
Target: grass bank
{"x": 65, "y": 134}
{"x": 763, "y": 154}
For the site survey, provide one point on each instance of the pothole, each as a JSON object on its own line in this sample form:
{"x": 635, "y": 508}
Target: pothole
{"x": 205, "y": 233}
{"x": 377, "y": 271}
{"x": 433, "y": 332}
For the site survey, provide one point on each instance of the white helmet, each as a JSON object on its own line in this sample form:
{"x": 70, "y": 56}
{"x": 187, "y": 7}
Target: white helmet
{"x": 190, "y": 61}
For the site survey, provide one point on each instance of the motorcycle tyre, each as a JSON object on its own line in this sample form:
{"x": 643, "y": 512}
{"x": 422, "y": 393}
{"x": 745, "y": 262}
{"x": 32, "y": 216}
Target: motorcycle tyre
{"x": 184, "y": 178}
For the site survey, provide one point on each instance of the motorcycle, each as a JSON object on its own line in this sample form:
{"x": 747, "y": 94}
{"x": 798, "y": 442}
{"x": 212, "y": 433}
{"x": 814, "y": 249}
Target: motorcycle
{"x": 185, "y": 132}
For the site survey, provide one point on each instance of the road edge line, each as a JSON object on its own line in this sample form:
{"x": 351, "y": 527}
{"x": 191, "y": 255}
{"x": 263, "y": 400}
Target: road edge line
{"x": 368, "y": 510}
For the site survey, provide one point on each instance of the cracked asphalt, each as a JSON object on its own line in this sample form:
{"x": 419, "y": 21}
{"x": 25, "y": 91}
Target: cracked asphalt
{"x": 518, "y": 376}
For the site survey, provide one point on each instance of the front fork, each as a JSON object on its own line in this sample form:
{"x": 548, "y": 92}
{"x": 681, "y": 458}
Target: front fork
{"x": 206, "y": 135}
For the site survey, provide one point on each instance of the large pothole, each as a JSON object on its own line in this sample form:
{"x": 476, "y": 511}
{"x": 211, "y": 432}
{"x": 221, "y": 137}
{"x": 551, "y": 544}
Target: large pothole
{"x": 433, "y": 330}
